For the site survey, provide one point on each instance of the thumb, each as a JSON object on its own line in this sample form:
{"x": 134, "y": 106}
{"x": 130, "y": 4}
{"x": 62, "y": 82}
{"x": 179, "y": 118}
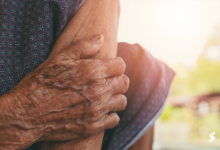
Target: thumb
{"x": 85, "y": 48}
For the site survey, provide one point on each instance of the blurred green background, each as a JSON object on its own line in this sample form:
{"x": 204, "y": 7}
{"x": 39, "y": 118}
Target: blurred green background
{"x": 193, "y": 108}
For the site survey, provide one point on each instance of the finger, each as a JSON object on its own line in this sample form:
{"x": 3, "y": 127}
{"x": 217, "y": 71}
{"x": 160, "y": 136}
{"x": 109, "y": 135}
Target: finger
{"x": 111, "y": 120}
{"x": 86, "y": 47}
{"x": 118, "y": 84}
{"x": 108, "y": 121}
{"x": 113, "y": 66}
{"x": 116, "y": 103}
{"x": 70, "y": 130}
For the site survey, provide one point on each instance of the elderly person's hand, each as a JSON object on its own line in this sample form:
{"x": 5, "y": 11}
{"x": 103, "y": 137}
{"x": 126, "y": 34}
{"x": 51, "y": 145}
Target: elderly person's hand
{"x": 65, "y": 98}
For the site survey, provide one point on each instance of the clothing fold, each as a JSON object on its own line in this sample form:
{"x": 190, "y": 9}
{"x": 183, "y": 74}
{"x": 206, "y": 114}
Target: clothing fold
{"x": 28, "y": 30}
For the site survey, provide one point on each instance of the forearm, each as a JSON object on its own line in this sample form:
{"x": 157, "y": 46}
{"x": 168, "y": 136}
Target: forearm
{"x": 15, "y": 132}
{"x": 58, "y": 101}
{"x": 93, "y": 17}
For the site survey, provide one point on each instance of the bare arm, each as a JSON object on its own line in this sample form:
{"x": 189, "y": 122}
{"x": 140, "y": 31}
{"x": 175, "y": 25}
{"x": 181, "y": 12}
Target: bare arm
{"x": 38, "y": 108}
{"x": 65, "y": 98}
{"x": 94, "y": 16}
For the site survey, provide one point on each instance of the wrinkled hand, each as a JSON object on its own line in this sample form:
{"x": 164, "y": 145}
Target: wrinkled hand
{"x": 65, "y": 98}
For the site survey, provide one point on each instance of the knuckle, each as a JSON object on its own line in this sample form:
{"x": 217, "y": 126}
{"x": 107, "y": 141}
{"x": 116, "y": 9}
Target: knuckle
{"x": 94, "y": 113}
{"x": 97, "y": 108}
{"x": 96, "y": 93}
{"x": 91, "y": 67}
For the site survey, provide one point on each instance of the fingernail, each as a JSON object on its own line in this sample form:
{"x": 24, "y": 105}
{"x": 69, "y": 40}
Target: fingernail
{"x": 96, "y": 37}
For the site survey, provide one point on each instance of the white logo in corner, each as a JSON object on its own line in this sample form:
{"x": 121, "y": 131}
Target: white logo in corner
{"x": 212, "y": 138}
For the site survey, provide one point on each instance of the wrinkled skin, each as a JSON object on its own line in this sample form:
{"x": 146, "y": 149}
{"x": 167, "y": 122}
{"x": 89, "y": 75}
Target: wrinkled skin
{"x": 94, "y": 16}
{"x": 65, "y": 98}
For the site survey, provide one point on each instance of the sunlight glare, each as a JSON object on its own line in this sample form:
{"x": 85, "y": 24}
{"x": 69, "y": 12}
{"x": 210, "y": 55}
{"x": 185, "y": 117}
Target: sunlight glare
{"x": 176, "y": 18}
{"x": 174, "y": 31}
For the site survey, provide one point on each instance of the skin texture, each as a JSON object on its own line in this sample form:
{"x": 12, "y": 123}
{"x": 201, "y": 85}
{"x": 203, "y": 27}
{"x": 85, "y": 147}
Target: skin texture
{"x": 65, "y": 98}
{"x": 90, "y": 19}
{"x": 28, "y": 117}
{"x": 94, "y": 16}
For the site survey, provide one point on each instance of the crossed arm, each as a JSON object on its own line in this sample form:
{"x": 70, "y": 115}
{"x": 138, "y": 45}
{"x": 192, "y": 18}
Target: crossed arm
{"x": 51, "y": 99}
{"x": 93, "y": 17}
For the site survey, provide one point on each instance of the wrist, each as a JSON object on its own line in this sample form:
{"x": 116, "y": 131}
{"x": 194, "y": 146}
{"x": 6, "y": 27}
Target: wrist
{"x": 14, "y": 133}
